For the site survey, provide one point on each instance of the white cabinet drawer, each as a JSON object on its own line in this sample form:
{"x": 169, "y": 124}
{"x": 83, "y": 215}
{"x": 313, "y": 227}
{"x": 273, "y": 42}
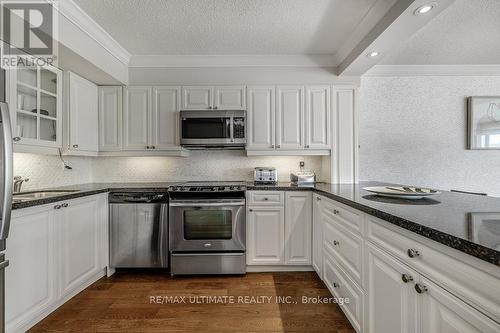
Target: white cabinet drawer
{"x": 343, "y": 288}
{"x": 350, "y": 217}
{"x": 345, "y": 246}
{"x": 477, "y": 287}
{"x": 266, "y": 198}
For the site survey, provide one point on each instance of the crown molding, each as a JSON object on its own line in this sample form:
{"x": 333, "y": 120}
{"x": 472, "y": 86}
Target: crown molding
{"x": 159, "y": 61}
{"x": 433, "y": 70}
{"x": 77, "y": 16}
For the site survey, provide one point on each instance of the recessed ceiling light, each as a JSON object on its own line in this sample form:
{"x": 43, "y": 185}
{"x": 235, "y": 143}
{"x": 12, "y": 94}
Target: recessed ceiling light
{"x": 373, "y": 54}
{"x": 422, "y": 10}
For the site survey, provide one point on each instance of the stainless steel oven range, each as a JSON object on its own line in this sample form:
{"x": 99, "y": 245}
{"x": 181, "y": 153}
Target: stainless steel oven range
{"x": 207, "y": 228}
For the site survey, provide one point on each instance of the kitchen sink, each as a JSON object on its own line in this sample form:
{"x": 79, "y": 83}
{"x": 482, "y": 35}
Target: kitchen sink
{"x": 34, "y": 195}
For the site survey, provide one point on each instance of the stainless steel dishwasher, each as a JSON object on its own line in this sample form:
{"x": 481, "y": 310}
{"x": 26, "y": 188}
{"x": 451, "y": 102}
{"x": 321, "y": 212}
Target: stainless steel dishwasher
{"x": 138, "y": 229}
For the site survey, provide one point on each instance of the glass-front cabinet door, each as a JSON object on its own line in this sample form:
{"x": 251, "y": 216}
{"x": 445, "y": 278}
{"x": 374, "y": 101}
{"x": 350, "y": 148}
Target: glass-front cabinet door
{"x": 35, "y": 101}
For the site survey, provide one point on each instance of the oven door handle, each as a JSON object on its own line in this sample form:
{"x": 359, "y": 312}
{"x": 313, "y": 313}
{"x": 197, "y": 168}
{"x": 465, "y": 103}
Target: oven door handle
{"x": 206, "y": 204}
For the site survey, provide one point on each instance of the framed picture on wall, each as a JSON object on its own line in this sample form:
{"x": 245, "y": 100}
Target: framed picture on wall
{"x": 483, "y": 122}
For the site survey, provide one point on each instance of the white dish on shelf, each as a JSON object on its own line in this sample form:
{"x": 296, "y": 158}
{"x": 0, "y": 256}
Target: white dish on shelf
{"x": 402, "y": 192}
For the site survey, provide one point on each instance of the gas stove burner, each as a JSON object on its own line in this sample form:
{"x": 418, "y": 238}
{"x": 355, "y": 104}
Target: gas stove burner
{"x": 208, "y": 187}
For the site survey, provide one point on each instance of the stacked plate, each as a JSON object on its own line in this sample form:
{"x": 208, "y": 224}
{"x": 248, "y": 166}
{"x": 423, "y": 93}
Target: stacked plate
{"x": 402, "y": 192}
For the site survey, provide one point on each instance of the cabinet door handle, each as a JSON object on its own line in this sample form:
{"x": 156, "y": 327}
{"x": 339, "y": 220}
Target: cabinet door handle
{"x": 406, "y": 278}
{"x": 75, "y": 146}
{"x": 16, "y": 139}
{"x": 64, "y": 205}
{"x": 420, "y": 288}
{"x": 336, "y": 285}
{"x": 336, "y": 243}
{"x": 336, "y": 212}
{"x": 57, "y": 207}
{"x": 412, "y": 253}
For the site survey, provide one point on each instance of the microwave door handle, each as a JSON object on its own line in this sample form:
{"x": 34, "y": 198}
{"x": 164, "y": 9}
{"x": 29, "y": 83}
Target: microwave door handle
{"x": 229, "y": 128}
{"x": 7, "y": 172}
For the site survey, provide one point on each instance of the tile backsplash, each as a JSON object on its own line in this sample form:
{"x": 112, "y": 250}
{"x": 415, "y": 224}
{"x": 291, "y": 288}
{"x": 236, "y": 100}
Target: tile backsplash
{"x": 47, "y": 171}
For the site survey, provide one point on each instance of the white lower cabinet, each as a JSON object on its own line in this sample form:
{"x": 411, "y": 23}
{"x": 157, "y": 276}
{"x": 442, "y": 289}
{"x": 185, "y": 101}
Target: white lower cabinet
{"x": 298, "y": 228}
{"x": 317, "y": 236}
{"x": 55, "y": 251}
{"x": 79, "y": 226}
{"x": 366, "y": 261}
{"x": 265, "y": 235}
{"x": 279, "y": 228}
{"x": 391, "y": 302}
{"x": 444, "y": 313}
{"x": 30, "y": 278}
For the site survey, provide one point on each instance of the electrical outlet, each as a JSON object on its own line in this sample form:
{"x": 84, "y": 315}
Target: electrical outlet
{"x": 302, "y": 164}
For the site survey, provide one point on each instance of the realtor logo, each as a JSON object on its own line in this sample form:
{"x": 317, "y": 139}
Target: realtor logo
{"x": 28, "y": 29}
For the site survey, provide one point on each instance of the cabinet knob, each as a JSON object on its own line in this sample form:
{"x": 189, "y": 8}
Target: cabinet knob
{"x": 336, "y": 285}
{"x": 336, "y": 243}
{"x": 148, "y": 147}
{"x": 250, "y": 210}
{"x": 272, "y": 146}
{"x": 420, "y": 288}
{"x": 318, "y": 198}
{"x": 153, "y": 147}
{"x": 412, "y": 253}
{"x": 336, "y": 212}
{"x": 265, "y": 199}
{"x": 16, "y": 139}
{"x": 57, "y": 207}
{"x": 307, "y": 146}
{"x": 215, "y": 107}
{"x": 64, "y": 205}
{"x": 406, "y": 278}
{"x": 278, "y": 146}
{"x": 210, "y": 107}
{"x": 75, "y": 146}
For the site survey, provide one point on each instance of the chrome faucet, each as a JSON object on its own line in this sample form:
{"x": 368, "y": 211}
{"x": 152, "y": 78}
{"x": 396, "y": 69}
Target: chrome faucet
{"x": 18, "y": 183}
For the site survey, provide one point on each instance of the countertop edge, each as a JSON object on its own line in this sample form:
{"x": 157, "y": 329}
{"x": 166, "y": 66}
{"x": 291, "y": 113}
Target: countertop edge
{"x": 465, "y": 246}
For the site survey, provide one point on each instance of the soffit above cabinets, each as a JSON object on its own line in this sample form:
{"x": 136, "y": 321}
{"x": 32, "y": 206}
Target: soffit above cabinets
{"x": 235, "y": 27}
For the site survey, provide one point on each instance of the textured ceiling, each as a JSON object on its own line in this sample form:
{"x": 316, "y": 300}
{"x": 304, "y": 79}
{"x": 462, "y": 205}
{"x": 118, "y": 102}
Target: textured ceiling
{"x": 468, "y": 32}
{"x": 176, "y": 27}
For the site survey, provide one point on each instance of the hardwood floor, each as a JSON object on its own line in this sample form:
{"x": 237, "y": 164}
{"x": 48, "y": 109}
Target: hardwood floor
{"x": 123, "y": 303}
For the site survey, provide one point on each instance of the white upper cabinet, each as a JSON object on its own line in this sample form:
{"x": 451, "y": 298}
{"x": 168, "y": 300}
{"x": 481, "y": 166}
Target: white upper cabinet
{"x": 317, "y": 117}
{"x": 165, "y": 119}
{"x": 110, "y": 118}
{"x": 213, "y": 98}
{"x": 83, "y": 114}
{"x": 298, "y": 228}
{"x": 290, "y": 117}
{"x": 260, "y": 117}
{"x": 35, "y": 99}
{"x": 136, "y": 118}
{"x": 296, "y": 120}
{"x": 197, "y": 98}
{"x": 230, "y": 98}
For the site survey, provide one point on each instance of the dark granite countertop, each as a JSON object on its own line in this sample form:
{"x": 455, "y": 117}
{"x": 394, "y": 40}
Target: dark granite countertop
{"x": 465, "y": 222}
{"x": 468, "y": 223}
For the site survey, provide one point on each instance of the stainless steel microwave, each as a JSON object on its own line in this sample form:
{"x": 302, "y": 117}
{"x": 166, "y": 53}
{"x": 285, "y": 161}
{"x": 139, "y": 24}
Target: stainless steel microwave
{"x": 213, "y": 129}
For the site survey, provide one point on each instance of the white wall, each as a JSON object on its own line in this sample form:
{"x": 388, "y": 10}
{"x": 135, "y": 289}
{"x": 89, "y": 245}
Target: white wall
{"x": 413, "y": 131}
{"x": 47, "y": 171}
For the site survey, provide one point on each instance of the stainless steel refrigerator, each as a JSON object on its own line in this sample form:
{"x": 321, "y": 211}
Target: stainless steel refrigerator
{"x": 6, "y": 181}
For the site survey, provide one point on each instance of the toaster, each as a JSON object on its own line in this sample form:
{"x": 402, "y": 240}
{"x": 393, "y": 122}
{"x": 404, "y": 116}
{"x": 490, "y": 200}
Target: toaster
{"x": 303, "y": 177}
{"x": 265, "y": 175}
